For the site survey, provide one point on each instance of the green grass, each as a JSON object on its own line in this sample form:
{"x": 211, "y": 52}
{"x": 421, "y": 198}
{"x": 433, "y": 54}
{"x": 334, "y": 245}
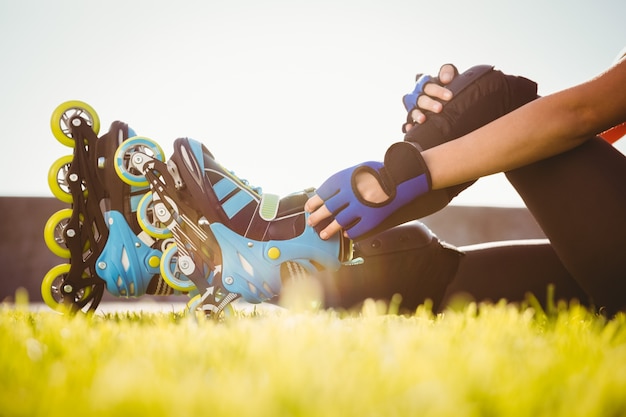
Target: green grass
{"x": 478, "y": 360}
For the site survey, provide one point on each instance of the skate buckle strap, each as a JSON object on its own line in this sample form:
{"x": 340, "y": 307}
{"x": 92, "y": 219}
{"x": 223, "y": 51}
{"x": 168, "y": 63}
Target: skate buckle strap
{"x": 268, "y": 207}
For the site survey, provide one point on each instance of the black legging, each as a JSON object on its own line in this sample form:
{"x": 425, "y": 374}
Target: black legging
{"x": 512, "y": 271}
{"x": 579, "y": 200}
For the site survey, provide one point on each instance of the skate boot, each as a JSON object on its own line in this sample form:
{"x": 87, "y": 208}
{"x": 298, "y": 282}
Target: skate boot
{"x": 99, "y": 235}
{"x": 230, "y": 240}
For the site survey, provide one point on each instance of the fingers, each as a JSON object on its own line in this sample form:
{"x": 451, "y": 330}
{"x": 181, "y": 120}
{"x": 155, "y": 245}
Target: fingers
{"x": 433, "y": 95}
{"x": 426, "y": 102}
{"x": 418, "y": 117}
{"x": 318, "y": 212}
{"x": 318, "y": 215}
{"x": 313, "y": 203}
{"x": 447, "y": 72}
{"x": 330, "y": 230}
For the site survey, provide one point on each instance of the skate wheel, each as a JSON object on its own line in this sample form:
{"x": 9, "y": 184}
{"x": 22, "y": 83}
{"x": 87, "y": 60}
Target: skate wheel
{"x": 59, "y": 122}
{"x": 194, "y": 306}
{"x": 51, "y": 288}
{"x": 123, "y": 155}
{"x": 53, "y": 233}
{"x": 58, "y": 182}
{"x": 171, "y": 273}
{"x": 194, "y": 303}
{"x": 148, "y": 221}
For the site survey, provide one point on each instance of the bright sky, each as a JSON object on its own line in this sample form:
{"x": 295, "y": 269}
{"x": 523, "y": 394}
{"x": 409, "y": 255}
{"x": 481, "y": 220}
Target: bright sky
{"x": 283, "y": 92}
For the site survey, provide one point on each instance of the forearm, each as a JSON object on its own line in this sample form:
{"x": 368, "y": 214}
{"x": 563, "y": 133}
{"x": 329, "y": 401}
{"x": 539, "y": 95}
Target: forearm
{"x": 503, "y": 145}
{"x": 542, "y": 128}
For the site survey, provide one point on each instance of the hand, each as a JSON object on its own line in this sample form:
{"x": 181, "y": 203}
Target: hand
{"x": 430, "y": 95}
{"x": 361, "y": 197}
{"x": 366, "y": 185}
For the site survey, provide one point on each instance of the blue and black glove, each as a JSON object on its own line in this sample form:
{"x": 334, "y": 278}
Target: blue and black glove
{"x": 403, "y": 177}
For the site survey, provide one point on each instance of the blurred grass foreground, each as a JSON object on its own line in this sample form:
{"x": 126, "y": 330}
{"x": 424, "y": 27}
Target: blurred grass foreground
{"x": 477, "y": 360}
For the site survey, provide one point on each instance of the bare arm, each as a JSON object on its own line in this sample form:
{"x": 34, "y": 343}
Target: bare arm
{"x": 540, "y": 129}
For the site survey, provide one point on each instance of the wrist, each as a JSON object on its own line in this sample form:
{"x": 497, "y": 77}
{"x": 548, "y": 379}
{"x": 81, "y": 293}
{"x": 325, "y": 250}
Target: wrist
{"x": 403, "y": 162}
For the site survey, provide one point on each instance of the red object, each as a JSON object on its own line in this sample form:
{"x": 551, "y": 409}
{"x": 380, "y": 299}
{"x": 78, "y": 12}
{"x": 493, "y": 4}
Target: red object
{"x": 615, "y": 133}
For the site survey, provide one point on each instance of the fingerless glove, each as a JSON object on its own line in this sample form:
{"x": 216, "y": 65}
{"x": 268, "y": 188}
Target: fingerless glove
{"x": 403, "y": 177}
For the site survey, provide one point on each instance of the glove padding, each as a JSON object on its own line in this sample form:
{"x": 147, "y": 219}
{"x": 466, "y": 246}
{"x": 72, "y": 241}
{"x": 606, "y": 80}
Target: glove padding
{"x": 403, "y": 177}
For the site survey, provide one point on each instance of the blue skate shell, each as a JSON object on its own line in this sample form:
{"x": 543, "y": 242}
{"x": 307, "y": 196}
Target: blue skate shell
{"x": 126, "y": 264}
{"x": 252, "y": 268}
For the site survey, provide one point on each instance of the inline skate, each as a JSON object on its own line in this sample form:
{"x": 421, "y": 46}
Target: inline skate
{"x": 230, "y": 240}
{"x": 99, "y": 234}
{"x": 139, "y": 224}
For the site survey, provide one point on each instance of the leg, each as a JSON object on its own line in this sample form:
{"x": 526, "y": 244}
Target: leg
{"x": 411, "y": 261}
{"x": 408, "y": 260}
{"x": 579, "y": 200}
{"x": 512, "y": 270}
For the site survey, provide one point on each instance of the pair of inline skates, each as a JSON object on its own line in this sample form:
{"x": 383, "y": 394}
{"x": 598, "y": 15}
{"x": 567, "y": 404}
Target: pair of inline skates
{"x": 140, "y": 224}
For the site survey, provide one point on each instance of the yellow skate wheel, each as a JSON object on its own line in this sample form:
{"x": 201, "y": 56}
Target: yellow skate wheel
{"x": 170, "y": 272}
{"x": 124, "y": 153}
{"x": 58, "y": 181}
{"x": 59, "y": 122}
{"x": 194, "y": 303}
{"x": 148, "y": 221}
{"x": 52, "y": 287}
{"x": 53, "y": 233}
{"x": 194, "y": 306}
